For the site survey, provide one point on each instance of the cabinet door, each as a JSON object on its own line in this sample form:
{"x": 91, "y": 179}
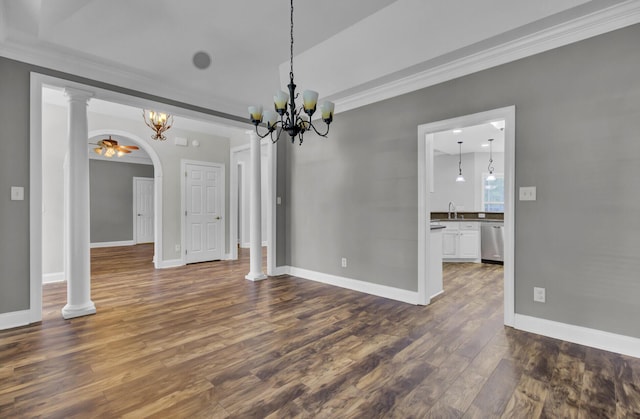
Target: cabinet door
{"x": 449, "y": 244}
{"x": 469, "y": 248}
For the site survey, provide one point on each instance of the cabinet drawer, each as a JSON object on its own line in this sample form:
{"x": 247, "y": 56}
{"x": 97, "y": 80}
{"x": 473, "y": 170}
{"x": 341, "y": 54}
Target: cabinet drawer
{"x": 451, "y": 226}
{"x": 469, "y": 225}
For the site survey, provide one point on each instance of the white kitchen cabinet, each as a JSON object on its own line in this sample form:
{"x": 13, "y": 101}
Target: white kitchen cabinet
{"x": 461, "y": 241}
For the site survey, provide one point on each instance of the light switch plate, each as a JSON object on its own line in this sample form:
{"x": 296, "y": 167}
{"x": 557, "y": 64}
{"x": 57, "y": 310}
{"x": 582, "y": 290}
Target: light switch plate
{"x": 527, "y": 193}
{"x": 17, "y": 193}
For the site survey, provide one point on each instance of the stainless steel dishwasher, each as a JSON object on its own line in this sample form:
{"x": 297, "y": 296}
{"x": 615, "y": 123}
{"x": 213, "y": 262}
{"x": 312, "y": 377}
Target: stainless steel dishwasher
{"x": 492, "y": 241}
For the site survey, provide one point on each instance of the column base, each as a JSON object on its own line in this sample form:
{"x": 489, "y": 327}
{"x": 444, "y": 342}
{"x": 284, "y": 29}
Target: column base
{"x": 69, "y": 312}
{"x": 255, "y": 276}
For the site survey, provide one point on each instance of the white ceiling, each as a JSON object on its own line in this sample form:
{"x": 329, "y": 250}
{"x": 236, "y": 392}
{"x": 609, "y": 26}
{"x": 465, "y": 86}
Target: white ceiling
{"x": 474, "y": 140}
{"x": 342, "y": 47}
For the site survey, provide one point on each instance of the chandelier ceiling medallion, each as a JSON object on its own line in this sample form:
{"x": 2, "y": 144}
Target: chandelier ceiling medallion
{"x": 292, "y": 120}
{"x": 110, "y": 148}
{"x": 159, "y": 122}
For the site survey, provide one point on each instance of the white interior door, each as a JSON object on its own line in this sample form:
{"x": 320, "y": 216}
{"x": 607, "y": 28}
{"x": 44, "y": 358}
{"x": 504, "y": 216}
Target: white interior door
{"x": 143, "y": 209}
{"x": 204, "y": 204}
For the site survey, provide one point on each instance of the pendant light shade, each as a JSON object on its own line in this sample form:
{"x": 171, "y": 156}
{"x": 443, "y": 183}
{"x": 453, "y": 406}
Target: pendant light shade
{"x": 460, "y": 178}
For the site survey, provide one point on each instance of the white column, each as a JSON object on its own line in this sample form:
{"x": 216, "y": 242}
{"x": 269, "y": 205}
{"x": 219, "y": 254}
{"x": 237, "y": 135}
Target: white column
{"x": 255, "y": 219}
{"x": 77, "y": 252}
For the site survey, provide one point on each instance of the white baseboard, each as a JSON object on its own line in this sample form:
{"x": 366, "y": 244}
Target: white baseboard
{"x": 437, "y": 294}
{"x": 385, "y": 291}
{"x": 625, "y": 345}
{"x": 248, "y": 245}
{"x": 53, "y": 277}
{"x": 15, "y": 319}
{"x": 172, "y": 263}
{"x": 281, "y": 270}
{"x": 113, "y": 244}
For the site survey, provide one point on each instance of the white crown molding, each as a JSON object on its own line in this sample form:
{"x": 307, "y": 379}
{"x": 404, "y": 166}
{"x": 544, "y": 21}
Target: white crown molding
{"x": 597, "y": 23}
{"x": 625, "y": 345}
{"x": 385, "y": 291}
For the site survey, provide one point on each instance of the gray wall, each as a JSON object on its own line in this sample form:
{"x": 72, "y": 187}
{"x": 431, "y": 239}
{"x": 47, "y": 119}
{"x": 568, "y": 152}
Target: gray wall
{"x": 111, "y": 186}
{"x": 354, "y": 194}
{"x": 14, "y": 171}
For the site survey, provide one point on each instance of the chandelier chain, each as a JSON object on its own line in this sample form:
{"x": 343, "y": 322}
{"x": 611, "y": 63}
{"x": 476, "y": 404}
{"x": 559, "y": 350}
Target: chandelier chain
{"x": 291, "y": 55}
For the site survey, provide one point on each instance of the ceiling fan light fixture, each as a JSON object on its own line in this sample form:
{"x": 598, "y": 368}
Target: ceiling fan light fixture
{"x": 110, "y": 147}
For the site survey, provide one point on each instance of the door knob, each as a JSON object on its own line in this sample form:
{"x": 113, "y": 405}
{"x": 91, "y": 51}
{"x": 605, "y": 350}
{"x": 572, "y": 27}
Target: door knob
{"x": 217, "y": 218}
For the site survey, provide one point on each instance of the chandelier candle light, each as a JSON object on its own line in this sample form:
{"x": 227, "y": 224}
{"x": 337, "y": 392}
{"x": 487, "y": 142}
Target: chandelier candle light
{"x": 158, "y": 122}
{"x": 291, "y": 120}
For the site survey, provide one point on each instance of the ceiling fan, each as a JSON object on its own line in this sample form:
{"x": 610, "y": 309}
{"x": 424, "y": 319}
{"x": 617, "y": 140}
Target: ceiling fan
{"x": 110, "y": 147}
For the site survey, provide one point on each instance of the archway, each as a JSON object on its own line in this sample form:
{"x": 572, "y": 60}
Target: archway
{"x": 157, "y": 175}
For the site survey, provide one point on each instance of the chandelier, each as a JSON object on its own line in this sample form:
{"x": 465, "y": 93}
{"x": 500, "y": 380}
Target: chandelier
{"x": 291, "y": 119}
{"x": 158, "y": 122}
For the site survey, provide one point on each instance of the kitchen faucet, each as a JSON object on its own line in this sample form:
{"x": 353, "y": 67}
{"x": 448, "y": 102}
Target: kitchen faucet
{"x": 455, "y": 212}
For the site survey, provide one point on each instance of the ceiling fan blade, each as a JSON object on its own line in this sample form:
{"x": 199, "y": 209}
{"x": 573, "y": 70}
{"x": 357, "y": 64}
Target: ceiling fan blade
{"x": 123, "y": 150}
{"x": 131, "y": 147}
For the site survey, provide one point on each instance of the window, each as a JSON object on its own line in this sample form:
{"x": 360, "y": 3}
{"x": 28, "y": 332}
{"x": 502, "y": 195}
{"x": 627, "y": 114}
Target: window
{"x": 493, "y": 193}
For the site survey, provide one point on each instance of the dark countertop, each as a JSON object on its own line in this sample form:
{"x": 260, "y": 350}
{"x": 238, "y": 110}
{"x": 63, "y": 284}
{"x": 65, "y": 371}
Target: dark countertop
{"x": 437, "y": 227}
{"x": 467, "y": 216}
{"x": 484, "y": 220}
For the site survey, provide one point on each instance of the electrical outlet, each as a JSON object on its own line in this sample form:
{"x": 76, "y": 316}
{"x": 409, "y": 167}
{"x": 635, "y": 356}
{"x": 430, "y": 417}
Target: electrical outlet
{"x": 344, "y": 262}
{"x": 177, "y": 247}
{"x": 17, "y": 193}
{"x": 539, "y": 294}
{"x": 527, "y": 193}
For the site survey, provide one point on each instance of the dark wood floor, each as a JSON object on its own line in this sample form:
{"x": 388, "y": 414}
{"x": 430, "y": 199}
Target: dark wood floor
{"x": 202, "y": 342}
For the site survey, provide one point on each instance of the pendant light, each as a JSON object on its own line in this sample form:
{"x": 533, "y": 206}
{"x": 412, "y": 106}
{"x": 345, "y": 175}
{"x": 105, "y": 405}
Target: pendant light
{"x": 491, "y": 176}
{"x": 460, "y": 178}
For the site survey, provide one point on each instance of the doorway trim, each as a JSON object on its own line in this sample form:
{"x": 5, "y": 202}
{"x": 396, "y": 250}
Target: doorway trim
{"x": 183, "y": 205}
{"x": 425, "y": 178}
